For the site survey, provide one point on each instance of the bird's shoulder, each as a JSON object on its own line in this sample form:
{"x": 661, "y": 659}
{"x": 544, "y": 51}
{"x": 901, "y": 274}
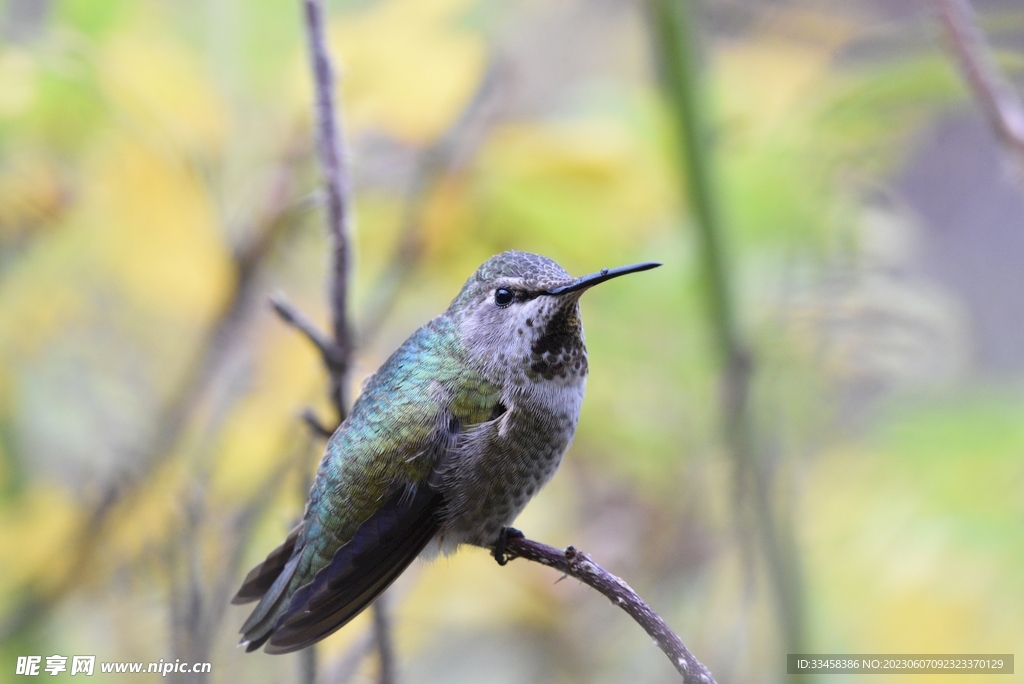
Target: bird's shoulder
{"x": 425, "y": 382}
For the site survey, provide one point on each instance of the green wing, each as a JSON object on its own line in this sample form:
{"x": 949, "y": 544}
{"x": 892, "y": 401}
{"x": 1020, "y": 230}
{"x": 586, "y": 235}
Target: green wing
{"x": 370, "y": 511}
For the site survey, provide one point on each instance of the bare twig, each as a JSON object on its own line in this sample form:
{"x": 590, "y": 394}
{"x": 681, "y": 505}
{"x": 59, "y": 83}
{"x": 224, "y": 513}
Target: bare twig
{"x": 382, "y": 628}
{"x": 330, "y": 352}
{"x": 330, "y": 150}
{"x": 307, "y": 666}
{"x": 193, "y": 616}
{"x": 197, "y": 606}
{"x": 315, "y": 424}
{"x": 577, "y": 564}
{"x": 280, "y": 207}
{"x": 1000, "y": 104}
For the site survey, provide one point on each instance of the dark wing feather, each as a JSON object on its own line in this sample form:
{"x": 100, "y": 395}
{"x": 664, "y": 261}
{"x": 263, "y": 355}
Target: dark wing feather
{"x": 258, "y": 627}
{"x": 260, "y": 578}
{"x": 361, "y": 569}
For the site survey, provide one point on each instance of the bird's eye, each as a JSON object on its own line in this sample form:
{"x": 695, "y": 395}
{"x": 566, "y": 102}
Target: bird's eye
{"x": 503, "y": 297}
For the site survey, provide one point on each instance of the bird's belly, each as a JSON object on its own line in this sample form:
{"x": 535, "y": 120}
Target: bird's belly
{"x": 503, "y": 467}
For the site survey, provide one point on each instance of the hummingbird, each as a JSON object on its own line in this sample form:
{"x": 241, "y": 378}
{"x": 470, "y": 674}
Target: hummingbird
{"x": 448, "y": 441}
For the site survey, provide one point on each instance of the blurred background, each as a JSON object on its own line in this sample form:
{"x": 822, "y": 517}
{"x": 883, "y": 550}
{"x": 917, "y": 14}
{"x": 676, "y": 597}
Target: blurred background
{"x": 808, "y": 440}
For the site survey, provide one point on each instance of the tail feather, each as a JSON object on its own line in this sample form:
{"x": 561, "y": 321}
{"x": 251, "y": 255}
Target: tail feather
{"x": 262, "y": 577}
{"x": 260, "y": 625}
{"x": 360, "y": 571}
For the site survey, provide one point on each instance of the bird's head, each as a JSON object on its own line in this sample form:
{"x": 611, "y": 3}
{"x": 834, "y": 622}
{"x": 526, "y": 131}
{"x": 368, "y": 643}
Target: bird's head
{"x": 520, "y": 320}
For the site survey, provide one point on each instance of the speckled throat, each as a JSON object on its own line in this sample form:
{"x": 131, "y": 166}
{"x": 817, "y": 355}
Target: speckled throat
{"x": 559, "y": 351}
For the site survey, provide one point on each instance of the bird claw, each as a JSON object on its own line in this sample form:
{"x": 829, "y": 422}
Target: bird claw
{"x": 498, "y": 550}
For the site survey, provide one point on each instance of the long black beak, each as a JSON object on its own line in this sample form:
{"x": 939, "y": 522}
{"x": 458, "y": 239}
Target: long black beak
{"x": 583, "y": 282}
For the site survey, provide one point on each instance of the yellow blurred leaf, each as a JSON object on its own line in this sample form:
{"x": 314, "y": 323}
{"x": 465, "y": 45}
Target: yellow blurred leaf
{"x": 32, "y": 534}
{"x": 586, "y": 187}
{"x": 407, "y": 68}
{"x": 766, "y": 81}
{"x": 151, "y": 225}
{"x": 161, "y": 87}
{"x": 18, "y": 72}
{"x": 905, "y": 569}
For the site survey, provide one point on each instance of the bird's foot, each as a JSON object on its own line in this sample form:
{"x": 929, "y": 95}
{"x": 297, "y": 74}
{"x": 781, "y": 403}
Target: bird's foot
{"x": 498, "y": 549}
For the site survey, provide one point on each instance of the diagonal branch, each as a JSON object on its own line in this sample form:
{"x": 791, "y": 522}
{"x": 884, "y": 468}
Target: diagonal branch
{"x": 1000, "y": 104}
{"x": 337, "y": 185}
{"x": 577, "y": 564}
{"x": 330, "y": 352}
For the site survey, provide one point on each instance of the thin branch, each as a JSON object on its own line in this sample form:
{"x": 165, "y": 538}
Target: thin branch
{"x": 330, "y": 137}
{"x": 1000, "y": 104}
{"x": 330, "y": 352}
{"x": 193, "y": 616}
{"x": 315, "y": 424}
{"x": 579, "y": 565}
{"x": 385, "y": 649}
{"x": 307, "y": 666}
